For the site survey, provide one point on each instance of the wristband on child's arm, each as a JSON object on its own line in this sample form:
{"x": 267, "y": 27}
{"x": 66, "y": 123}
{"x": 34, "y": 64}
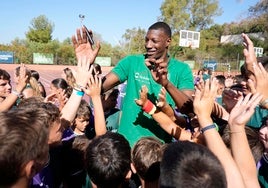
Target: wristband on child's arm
{"x": 149, "y": 107}
{"x": 78, "y": 92}
{"x": 212, "y": 126}
{"x": 77, "y": 87}
{"x": 16, "y": 93}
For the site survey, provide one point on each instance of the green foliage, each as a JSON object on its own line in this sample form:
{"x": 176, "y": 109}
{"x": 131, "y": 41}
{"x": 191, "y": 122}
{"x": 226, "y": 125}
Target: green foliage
{"x": 193, "y": 15}
{"x": 117, "y": 54}
{"x": 134, "y": 38}
{"x": 106, "y": 49}
{"x": 260, "y": 8}
{"x": 22, "y": 55}
{"x": 202, "y": 13}
{"x": 176, "y": 14}
{"x": 65, "y": 54}
{"x": 190, "y": 15}
{"x": 40, "y": 30}
{"x": 179, "y": 14}
{"x": 230, "y": 51}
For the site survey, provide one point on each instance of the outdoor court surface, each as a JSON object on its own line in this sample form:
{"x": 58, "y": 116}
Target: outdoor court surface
{"x": 47, "y": 72}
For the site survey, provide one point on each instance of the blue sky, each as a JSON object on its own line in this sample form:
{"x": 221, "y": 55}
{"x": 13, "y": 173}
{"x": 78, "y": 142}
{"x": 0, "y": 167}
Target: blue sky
{"x": 110, "y": 18}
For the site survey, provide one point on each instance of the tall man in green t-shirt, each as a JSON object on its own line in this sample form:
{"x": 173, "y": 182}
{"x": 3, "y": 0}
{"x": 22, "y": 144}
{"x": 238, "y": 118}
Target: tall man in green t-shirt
{"x": 155, "y": 70}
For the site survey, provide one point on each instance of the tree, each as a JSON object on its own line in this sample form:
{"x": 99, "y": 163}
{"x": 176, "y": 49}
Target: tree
{"x": 203, "y": 12}
{"x": 22, "y": 54}
{"x": 65, "y": 54}
{"x": 117, "y": 54}
{"x": 134, "y": 40}
{"x": 106, "y": 50}
{"x": 260, "y": 8}
{"x": 175, "y": 13}
{"x": 189, "y": 14}
{"x": 259, "y": 12}
{"x": 40, "y": 30}
{"x": 192, "y": 15}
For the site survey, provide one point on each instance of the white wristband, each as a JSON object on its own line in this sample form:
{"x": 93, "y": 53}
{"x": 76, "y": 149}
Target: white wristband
{"x": 16, "y": 93}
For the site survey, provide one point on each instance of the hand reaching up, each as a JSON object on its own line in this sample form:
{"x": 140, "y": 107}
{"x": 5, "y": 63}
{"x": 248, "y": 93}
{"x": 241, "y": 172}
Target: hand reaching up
{"x": 82, "y": 72}
{"x": 143, "y": 96}
{"x": 93, "y": 88}
{"x": 243, "y": 110}
{"x": 248, "y": 51}
{"x": 23, "y": 78}
{"x": 261, "y": 77}
{"x": 161, "y": 102}
{"x": 230, "y": 98}
{"x": 83, "y": 47}
{"x": 204, "y": 99}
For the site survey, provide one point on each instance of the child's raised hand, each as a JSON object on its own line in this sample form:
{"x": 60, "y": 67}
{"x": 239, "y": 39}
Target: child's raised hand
{"x": 143, "y": 96}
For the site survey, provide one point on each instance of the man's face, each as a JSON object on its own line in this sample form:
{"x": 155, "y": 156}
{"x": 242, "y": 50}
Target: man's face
{"x": 5, "y": 88}
{"x": 156, "y": 44}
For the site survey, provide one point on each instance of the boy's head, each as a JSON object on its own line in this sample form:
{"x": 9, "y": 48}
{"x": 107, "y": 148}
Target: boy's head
{"x": 23, "y": 145}
{"x": 186, "y": 164}
{"x": 254, "y": 141}
{"x": 146, "y": 157}
{"x": 54, "y": 121}
{"x": 108, "y": 160}
{"x": 83, "y": 118}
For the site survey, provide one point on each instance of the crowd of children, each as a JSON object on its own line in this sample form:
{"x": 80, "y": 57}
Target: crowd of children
{"x": 173, "y": 130}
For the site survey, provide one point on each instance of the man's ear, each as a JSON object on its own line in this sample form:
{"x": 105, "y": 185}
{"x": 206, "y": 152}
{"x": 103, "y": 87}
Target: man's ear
{"x": 168, "y": 42}
{"x": 29, "y": 171}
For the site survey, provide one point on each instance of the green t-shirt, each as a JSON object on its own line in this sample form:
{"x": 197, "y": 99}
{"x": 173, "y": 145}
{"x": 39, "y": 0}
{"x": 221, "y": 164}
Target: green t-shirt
{"x": 258, "y": 118}
{"x": 112, "y": 119}
{"x": 134, "y": 122}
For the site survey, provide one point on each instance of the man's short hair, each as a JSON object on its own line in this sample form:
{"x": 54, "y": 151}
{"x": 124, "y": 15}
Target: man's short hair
{"x": 161, "y": 26}
{"x": 186, "y": 164}
{"x": 108, "y": 160}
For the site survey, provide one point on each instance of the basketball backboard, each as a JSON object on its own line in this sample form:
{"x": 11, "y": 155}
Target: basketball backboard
{"x": 189, "y": 38}
{"x": 258, "y": 51}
